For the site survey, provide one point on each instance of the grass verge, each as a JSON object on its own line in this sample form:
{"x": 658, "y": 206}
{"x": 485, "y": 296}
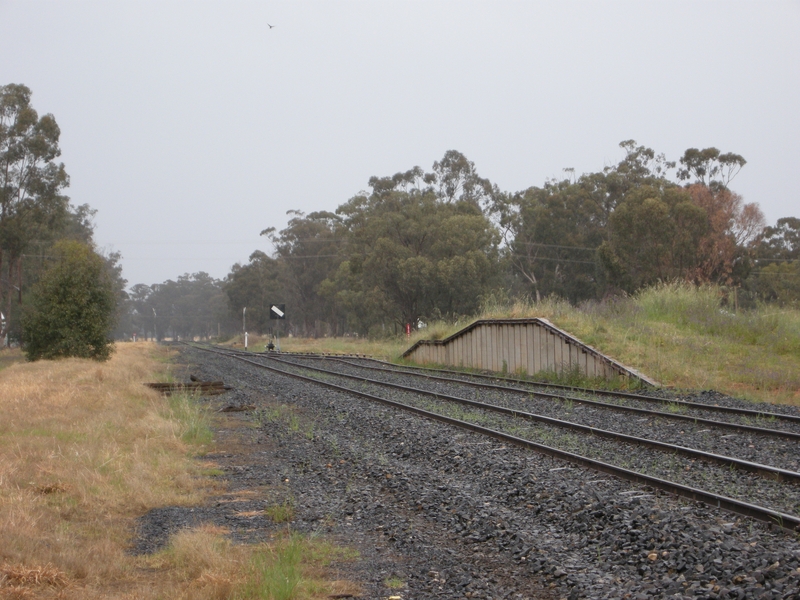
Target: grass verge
{"x": 203, "y": 563}
{"x": 686, "y": 337}
{"x": 386, "y": 348}
{"x": 195, "y": 422}
{"x": 293, "y": 567}
{"x": 85, "y": 449}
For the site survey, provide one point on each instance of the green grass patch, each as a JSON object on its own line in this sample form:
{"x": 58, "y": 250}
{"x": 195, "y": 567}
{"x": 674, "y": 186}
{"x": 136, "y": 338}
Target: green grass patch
{"x": 276, "y": 574}
{"x": 212, "y": 472}
{"x": 290, "y": 568}
{"x": 281, "y": 513}
{"x": 192, "y": 418}
{"x": 394, "y": 583}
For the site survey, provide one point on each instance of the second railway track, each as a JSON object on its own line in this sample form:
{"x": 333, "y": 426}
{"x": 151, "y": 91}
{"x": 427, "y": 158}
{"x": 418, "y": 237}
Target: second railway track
{"x": 760, "y": 422}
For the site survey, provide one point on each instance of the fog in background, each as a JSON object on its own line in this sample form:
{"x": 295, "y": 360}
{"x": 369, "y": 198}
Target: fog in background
{"x": 192, "y": 126}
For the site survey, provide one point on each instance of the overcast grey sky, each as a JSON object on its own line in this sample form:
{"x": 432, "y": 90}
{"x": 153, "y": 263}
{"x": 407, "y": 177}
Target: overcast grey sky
{"x": 192, "y": 126}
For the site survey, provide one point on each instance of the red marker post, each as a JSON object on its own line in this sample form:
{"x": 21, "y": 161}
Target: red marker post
{"x": 408, "y": 330}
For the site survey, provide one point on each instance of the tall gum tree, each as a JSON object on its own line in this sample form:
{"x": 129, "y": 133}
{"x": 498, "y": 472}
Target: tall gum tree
{"x": 710, "y": 167}
{"x": 31, "y": 203}
{"x": 781, "y": 241}
{"x": 733, "y": 230}
{"x": 414, "y": 256}
{"x": 552, "y": 233}
{"x": 308, "y": 250}
{"x": 656, "y": 235}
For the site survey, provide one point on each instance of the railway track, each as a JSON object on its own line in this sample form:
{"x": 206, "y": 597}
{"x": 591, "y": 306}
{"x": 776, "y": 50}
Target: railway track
{"x": 754, "y": 444}
{"x": 679, "y": 410}
{"x": 771, "y": 472}
{"x": 769, "y": 484}
{"x": 757, "y": 445}
{"x": 507, "y": 382}
{"x": 597, "y": 392}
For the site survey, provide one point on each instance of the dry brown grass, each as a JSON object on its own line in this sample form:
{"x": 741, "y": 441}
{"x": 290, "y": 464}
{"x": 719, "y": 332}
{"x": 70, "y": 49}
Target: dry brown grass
{"x": 22, "y": 582}
{"x": 21, "y": 576}
{"x": 386, "y": 348}
{"x": 203, "y": 564}
{"x": 85, "y": 448}
{"x": 204, "y": 560}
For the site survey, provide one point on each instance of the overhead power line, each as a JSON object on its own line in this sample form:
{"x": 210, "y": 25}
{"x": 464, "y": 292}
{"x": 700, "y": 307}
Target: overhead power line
{"x": 566, "y": 260}
{"x": 540, "y": 245}
{"x": 319, "y": 256}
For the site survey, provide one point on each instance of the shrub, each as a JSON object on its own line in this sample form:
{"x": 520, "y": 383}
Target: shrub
{"x": 72, "y": 307}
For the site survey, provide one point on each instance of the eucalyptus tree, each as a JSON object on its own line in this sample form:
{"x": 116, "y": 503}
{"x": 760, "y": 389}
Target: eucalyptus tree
{"x": 710, "y": 167}
{"x": 553, "y": 232}
{"x": 630, "y": 225}
{"x": 656, "y": 235}
{"x": 140, "y": 311}
{"x": 776, "y": 276}
{"x": 414, "y": 253}
{"x": 254, "y": 286}
{"x": 734, "y": 227}
{"x": 31, "y": 182}
{"x": 193, "y": 305}
{"x": 780, "y": 241}
{"x": 308, "y": 251}
{"x": 455, "y": 178}
{"x": 34, "y": 212}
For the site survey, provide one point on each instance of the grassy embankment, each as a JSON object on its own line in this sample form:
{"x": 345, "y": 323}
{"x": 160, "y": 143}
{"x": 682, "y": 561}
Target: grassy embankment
{"x": 677, "y": 334}
{"x": 85, "y": 448}
{"x": 681, "y": 336}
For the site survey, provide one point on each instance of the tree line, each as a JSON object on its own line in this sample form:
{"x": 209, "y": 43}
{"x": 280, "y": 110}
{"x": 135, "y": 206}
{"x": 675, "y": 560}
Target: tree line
{"x": 416, "y": 246}
{"x": 424, "y": 245}
{"x": 58, "y": 295}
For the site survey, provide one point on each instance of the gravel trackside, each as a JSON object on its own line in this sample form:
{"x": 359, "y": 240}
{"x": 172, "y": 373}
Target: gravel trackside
{"x": 437, "y": 512}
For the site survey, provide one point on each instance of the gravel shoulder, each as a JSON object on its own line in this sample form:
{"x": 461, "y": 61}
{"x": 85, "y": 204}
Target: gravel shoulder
{"x": 441, "y": 513}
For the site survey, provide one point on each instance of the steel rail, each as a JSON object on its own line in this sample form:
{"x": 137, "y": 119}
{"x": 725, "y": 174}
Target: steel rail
{"x": 643, "y": 398}
{"x": 767, "y": 471}
{"x": 605, "y": 405}
{"x": 761, "y": 513}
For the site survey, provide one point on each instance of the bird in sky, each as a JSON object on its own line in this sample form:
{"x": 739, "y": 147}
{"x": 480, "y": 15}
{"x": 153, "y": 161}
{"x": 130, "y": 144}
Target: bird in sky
{"x": 270, "y": 26}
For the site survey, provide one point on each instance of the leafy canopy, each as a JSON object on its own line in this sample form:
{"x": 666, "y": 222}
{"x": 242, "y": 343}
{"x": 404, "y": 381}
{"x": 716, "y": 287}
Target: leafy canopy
{"x": 72, "y": 307}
